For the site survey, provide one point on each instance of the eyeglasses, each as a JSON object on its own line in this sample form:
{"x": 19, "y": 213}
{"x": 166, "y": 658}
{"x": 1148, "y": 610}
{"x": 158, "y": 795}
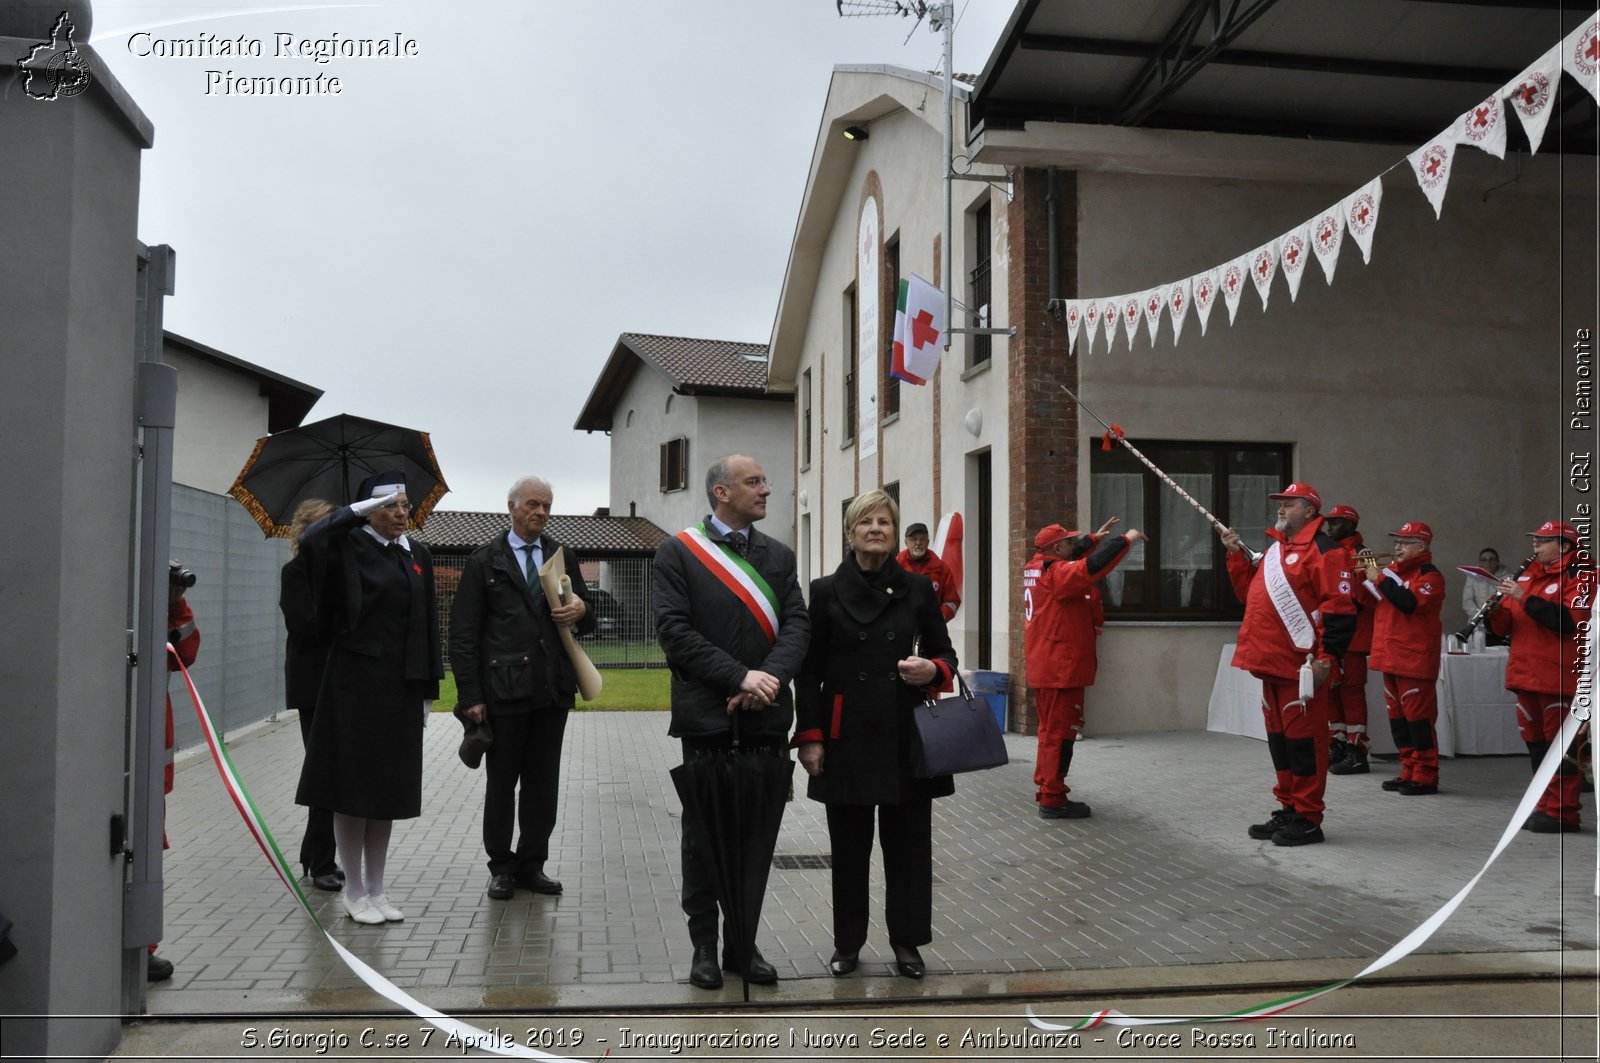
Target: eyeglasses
{"x": 403, "y": 506}
{"x": 752, "y": 482}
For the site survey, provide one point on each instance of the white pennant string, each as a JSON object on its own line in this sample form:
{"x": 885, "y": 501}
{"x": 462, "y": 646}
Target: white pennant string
{"x": 1327, "y": 233}
{"x": 1263, "y": 267}
{"x": 1205, "y": 296}
{"x": 1432, "y": 164}
{"x": 1178, "y": 299}
{"x": 1294, "y": 251}
{"x": 1091, "y": 323}
{"x": 1484, "y": 127}
{"x": 1580, "y": 55}
{"x": 1153, "y": 301}
{"x": 1073, "y": 316}
{"x": 1108, "y": 322}
{"x": 1361, "y": 215}
{"x": 1130, "y": 317}
{"x": 1530, "y": 93}
{"x": 1233, "y": 285}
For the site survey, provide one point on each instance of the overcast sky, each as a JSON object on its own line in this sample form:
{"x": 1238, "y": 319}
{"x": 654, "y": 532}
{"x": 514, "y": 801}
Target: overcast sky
{"x": 456, "y": 239}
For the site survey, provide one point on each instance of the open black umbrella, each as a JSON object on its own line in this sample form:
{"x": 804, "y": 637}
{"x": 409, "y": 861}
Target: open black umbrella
{"x": 328, "y": 460}
{"x": 732, "y": 807}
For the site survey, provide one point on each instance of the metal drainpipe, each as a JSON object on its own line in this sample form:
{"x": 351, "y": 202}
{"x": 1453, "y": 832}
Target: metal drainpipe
{"x": 1055, "y": 252}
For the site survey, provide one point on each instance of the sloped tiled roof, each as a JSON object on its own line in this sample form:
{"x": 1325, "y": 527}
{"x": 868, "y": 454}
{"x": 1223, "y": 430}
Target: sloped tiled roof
{"x": 458, "y": 530}
{"x": 694, "y": 366}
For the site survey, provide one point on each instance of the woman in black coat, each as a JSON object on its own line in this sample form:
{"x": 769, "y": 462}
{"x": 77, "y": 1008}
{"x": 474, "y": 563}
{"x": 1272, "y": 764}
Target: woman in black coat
{"x": 374, "y": 594}
{"x": 878, "y": 641}
{"x": 305, "y": 654}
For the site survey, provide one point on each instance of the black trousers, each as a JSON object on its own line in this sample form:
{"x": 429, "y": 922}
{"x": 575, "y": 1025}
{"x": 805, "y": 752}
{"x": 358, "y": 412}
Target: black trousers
{"x": 525, "y": 754}
{"x": 699, "y": 889}
{"x": 316, "y": 847}
{"x": 906, "y": 835}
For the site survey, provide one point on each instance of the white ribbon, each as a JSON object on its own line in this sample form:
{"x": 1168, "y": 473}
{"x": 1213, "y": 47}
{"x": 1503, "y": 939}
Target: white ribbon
{"x": 1302, "y": 632}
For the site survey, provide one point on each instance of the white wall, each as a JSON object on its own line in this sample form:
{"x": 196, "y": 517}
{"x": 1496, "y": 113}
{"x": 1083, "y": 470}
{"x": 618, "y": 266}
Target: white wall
{"x": 221, "y": 414}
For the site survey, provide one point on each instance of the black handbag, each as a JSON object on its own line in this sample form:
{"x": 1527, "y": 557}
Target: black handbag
{"x": 956, "y": 734}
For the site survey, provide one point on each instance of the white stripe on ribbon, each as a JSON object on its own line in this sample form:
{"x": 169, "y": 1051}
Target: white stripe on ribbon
{"x": 758, "y": 594}
{"x": 467, "y": 1033}
{"x": 1301, "y": 631}
{"x": 1402, "y": 948}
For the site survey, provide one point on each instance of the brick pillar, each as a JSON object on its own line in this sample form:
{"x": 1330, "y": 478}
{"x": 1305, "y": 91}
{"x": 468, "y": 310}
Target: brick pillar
{"x": 1043, "y": 436}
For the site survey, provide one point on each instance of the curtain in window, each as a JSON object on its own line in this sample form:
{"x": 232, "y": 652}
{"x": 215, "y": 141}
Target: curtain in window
{"x": 1186, "y": 544}
{"x": 1253, "y": 512}
{"x": 1118, "y": 494}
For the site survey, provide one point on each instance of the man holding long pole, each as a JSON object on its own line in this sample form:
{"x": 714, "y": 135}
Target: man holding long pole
{"x": 1298, "y": 621}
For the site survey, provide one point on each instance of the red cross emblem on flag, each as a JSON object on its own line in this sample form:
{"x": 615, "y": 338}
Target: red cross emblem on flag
{"x": 1480, "y": 116}
{"x": 922, "y": 330}
{"x": 1263, "y": 266}
{"x": 1177, "y": 300}
{"x": 1362, "y": 213}
{"x": 1433, "y": 164}
{"x": 1153, "y": 307}
{"x": 1293, "y": 255}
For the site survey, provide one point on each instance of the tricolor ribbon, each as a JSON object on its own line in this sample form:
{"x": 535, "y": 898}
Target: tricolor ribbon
{"x": 257, "y": 824}
{"x": 1403, "y": 948}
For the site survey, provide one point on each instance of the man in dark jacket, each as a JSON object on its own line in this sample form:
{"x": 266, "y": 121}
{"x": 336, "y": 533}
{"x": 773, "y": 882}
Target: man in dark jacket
{"x": 733, "y": 624}
{"x": 510, "y": 665}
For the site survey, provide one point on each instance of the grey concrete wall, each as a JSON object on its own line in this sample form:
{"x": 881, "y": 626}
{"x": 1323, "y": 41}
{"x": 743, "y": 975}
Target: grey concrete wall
{"x": 239, "y": 671}
{"x": 68, "y": 211}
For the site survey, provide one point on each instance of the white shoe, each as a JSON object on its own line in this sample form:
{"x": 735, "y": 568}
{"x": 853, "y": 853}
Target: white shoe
{"x": 362, "y": 911}
{"x": 381, "y": 904}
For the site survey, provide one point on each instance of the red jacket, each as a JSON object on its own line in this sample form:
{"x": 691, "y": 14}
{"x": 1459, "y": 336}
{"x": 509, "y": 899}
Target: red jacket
{"x": 1318, "y": 570}
{"x": 1406, "y": 634}
{"x": 938, "y": 573}
{"x": 1062, "y": 614}
{"x": 1361, "y": 641}
{"x": 1544, "y": 626}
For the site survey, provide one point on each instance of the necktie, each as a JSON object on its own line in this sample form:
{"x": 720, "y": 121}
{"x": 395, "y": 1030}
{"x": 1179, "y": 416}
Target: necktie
{"x": 531, "y": 570}
{"x": 741, "y": 544}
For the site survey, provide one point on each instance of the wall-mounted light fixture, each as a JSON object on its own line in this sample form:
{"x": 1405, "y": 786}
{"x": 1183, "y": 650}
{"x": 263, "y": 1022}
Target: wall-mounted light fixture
{"x": 855, "y": 132}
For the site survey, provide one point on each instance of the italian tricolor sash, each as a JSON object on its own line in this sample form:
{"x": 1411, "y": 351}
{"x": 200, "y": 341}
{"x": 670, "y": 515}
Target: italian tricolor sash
{"x": 736, "y": 574}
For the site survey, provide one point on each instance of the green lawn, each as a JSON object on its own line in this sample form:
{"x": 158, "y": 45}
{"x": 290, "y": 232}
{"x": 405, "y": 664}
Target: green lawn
{"x": 624, "y": 689}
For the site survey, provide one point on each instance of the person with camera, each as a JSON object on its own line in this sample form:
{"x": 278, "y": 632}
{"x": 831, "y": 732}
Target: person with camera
{"x": 184, "y": 638}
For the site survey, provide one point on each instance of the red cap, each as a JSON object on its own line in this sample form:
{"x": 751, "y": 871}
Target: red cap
{"x": 1051, "y": 534}
{"x": 1298, "y": 490}
{"x": 1347, "y": 512}
{"x": 1556, "y": 529}
{"x": 1413, "y": 529}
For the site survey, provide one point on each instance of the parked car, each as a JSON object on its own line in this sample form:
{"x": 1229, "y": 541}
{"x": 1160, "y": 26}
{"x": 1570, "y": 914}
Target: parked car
{"x": 607, "y": 614}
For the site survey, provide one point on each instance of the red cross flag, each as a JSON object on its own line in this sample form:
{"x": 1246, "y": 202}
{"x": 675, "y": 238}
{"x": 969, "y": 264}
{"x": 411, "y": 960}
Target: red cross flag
{"x": 1530, "y": 93}
{"x": 1294, "y": 247}
{"x": 1361, "y": 215}
{"x": 1432, "y": 164}
{"x": 918, "y": 330}
{"x": 1484, "y": 127}
{"x": 1327, "y": 233}
{"x": 1580, "y": 55}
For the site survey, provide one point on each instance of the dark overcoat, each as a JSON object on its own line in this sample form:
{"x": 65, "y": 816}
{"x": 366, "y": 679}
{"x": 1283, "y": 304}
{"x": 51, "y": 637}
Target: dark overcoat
{"x": 377, "y": 602}
{"x": 306, "y": 651}
{"x": 849, "y": 691}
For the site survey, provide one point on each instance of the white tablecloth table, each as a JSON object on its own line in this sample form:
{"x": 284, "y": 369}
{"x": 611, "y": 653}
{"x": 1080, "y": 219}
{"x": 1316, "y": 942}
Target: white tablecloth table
{"x": 1477, "y": 714}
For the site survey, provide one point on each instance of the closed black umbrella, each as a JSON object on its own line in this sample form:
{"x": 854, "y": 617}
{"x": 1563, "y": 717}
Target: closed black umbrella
{"x": 328, "y": 460}
{"x": 732, "y": 808}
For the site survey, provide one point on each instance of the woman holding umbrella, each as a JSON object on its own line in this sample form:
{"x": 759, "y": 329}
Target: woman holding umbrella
{"x": 878, "y": 641}
{"x": 375, "y": 599}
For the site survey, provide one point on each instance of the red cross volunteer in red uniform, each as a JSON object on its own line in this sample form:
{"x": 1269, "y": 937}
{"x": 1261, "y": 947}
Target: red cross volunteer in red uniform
{"x": 918, "y": 558}
{"x": 1298, "y": 622}
{"x": 1347, "y": 686}
{"x": 1546, "y": 612}
{"x": 1062, "y": 617}
{"x": 1409, "y": 593}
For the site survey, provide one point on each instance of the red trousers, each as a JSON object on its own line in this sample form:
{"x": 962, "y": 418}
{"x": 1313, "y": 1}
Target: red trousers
{"x": 1347, "y": 702}
{"x": 1060, "y": 724}
{"x": 1539, "y": 718}
{"x": 1413, "y": 707}
{"x": 1297, "y": 738}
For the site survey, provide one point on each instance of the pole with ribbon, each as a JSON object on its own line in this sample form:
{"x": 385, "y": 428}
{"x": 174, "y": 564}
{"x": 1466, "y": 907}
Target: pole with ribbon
{"x": 1115, "y": 432}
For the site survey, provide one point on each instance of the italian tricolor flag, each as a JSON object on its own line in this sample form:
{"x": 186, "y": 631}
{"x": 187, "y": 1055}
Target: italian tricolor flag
{"x": 918, "y": 330}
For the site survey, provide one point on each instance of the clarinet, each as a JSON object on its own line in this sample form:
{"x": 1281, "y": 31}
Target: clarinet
{"x": 1488, "y": 605}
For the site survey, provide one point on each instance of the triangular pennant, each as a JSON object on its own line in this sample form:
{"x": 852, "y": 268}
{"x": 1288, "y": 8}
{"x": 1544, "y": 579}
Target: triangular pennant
{"x": 1130, "y": 316}
{"x": 1178, "y": 299}
{"x": 1361, "y": 215}
{"x": 1580, "y": 56}
{"x": 1205, "y": 296}
{"x": 1153, "y": 302}
{"x": 1263, "y": 267}
{"x": 1108, "y": 322}
{"x": 1072, "y": 314}
{"x": 1530, "y": 93}
{"x": 1484, "y": 127}
{"x": 1432, "y": 164}
{"x": 1293, "y": 252}
{"x": 1091, "y": 323}
{"x": 1327, "y": 233}
{"x": 1233, "y": 275}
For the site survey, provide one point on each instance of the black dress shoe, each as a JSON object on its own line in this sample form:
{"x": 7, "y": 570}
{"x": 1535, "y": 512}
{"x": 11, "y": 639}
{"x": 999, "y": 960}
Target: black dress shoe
{"x": 330, "y": 882}
{"x": 539, "y": 882}
{"x": 761, "y": 972}
{"x": 844, "y": 963}
{"x": 703, "y": 970}
{"x": 908, "y": 961}
{"x": 502, "y": 887}
{"x": 156, "y": 969}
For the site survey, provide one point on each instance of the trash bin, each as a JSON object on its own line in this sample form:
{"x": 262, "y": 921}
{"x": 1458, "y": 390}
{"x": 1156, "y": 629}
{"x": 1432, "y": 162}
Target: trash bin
{"x": 994, "y": 688}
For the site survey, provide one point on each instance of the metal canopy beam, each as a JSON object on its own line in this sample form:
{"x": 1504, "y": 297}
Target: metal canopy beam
{"x": 1176, "y": 59}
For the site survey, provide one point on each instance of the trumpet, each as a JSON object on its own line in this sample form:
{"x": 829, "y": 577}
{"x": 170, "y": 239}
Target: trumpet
{"x": 1488, "y": 604}
{"x": 1365, "y": 558}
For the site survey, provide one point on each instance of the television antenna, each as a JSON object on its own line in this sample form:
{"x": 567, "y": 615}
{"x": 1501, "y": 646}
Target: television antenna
{"x": 942, "y": 20}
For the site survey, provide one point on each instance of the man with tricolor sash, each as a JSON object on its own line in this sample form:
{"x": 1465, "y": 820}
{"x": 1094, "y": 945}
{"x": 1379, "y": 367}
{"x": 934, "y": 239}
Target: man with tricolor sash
{"x": 733, "y": 624}
{"x": 1298, "y": 622}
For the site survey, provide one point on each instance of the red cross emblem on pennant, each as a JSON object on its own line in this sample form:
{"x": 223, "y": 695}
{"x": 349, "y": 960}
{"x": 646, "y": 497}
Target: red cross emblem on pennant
{"x": 922, "y": 330}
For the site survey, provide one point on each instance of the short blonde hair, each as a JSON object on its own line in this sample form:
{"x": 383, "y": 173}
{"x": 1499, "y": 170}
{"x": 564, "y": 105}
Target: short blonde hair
{"x": 306, "y": 514}
{"x": 869, "y": 503}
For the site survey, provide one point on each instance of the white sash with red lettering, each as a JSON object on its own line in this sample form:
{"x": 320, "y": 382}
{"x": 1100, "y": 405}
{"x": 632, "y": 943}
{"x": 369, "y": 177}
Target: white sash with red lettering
{"x": 1302, "y": 632}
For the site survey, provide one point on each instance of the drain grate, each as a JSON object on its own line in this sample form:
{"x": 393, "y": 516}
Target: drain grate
{"x": 802, "y": 863}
